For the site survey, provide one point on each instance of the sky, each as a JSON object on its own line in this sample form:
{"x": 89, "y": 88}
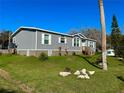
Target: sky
{"x": 59, "y": 15}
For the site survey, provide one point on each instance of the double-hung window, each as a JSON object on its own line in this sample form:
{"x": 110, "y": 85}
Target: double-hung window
{"x": 76, "y": 42}
{"x": 46, "y": 39}
{"x": 91, "y": 44}
{"x": 62, "y": 39}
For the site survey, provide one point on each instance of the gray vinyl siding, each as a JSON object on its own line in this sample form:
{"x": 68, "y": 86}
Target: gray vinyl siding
{"x": 55, "y": 42}
{"x": 25, "y": 39}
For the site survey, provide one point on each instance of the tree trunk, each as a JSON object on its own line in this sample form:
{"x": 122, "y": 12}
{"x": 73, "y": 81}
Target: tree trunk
{"x": 102, "y": 17}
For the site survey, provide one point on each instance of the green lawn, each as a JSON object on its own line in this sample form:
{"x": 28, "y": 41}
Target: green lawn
{"x": 43, "y": 76}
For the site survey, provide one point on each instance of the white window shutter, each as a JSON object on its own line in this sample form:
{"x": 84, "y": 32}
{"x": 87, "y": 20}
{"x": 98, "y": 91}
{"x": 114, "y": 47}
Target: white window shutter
{"x": 42, "y": 39}
{"x": 87, "y": 43}
{"x": 79, "y": 42}
{"x": 65, "y": 40}
{"x": 50, "y": 39}
{"x": 14, "y": 39}
{"x": 59, "y": 41}
{"x": 93, "y": 44}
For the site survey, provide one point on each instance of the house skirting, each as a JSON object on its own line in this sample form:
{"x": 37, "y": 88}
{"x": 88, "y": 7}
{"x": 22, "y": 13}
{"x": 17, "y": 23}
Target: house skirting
{"x": 55, "y": 52}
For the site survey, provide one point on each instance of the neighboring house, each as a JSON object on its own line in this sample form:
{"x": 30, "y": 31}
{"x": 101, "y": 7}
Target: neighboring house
{"x": 33, "y": 41}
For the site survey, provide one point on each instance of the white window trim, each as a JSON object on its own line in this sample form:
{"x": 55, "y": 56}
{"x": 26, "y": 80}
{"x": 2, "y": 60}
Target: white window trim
{"x": 73, "y": 42}
{"x": 79, "y": 42}
{"x": 14, "y": 39}
{"x": 91, "y": 44}
{"x": 76, "y": 42}
{"x": 59, "y": 40}
{"x": 50, "y": 39}
{"x": 65, "y": 40}
{"x": 42, "y": 39}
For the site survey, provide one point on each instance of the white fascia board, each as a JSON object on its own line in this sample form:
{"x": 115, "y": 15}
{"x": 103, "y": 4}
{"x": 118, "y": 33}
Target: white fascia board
{"x": 91, "y": 39}
{"x": 80, "y": 35}
{"x": 83, "y": 36}
{"x": 49, "y": 31}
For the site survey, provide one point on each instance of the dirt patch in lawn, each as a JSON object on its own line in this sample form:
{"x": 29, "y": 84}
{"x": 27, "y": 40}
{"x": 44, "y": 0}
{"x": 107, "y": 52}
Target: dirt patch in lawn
{"x": 25, "y": 88}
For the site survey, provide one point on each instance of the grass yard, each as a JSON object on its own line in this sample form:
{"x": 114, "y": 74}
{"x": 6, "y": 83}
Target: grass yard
{"x": 43, "y": 76}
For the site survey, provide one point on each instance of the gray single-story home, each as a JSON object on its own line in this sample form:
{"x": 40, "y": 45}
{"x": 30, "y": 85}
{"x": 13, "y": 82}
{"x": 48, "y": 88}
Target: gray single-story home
{"x": 33, "y": 41}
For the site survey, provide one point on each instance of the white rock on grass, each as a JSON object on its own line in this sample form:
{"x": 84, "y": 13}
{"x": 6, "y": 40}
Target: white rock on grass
{"x": 91, "y": 72}
{"x": 77, "y": 72}
{"x": 81, "y": 76}
{"x": 83, "y": 71}
{"x": 87, "y": 76}
{"x": 64, "y": 74}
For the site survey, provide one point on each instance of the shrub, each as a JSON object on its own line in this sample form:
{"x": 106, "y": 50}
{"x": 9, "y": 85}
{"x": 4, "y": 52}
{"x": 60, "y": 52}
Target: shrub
{"x": 43, "y": 56}
{"x": 66, "y": 52}
{"x": 73, "y": 53}
{"x": 119, "y": 51}
{"x": 60, "y": 48}
{"x": 98, "y": 60}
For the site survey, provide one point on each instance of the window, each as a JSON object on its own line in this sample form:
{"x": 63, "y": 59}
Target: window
{"x": 91, "y": 44}
{"x": 62, "y": 39}
{"x": 83, "y": 40}
{"x": 46, "y": 39}
{"x": 14, "y": 39}
{"x": 76, "y": 42}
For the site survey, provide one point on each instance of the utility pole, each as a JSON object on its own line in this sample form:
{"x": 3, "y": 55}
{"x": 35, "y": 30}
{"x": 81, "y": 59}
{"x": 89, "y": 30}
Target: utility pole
{"x": 102, "y": 18}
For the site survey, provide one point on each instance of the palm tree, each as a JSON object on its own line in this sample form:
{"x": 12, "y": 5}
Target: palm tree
{"x": 102, "y": 17}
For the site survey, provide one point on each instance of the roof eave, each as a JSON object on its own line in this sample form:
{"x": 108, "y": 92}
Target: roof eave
{"x": 38, "y": 29}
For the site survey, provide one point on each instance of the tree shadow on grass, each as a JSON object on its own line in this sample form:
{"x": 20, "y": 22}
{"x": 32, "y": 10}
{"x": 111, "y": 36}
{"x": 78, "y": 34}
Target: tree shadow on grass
{"x": 7, "y": 91}
{"x": 88, "y": 61}
{"x": 120, "y": 78}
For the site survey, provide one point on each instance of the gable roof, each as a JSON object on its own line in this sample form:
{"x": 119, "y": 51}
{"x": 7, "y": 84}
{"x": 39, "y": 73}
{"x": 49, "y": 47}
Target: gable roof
{"x": 80, "y": 35}
{"x": 49, "y": 31}
{"x": 83, "y": 37}
{"x": 38, "y": 29}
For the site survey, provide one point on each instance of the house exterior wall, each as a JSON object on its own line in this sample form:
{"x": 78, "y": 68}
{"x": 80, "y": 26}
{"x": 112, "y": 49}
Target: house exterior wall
{"x": 30, "y": 43}
{"x": 84, "y": 43}
{"x": 25, "y": 39}
{"x": 55, "y": 42}
{"x": 93, "y": 45}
